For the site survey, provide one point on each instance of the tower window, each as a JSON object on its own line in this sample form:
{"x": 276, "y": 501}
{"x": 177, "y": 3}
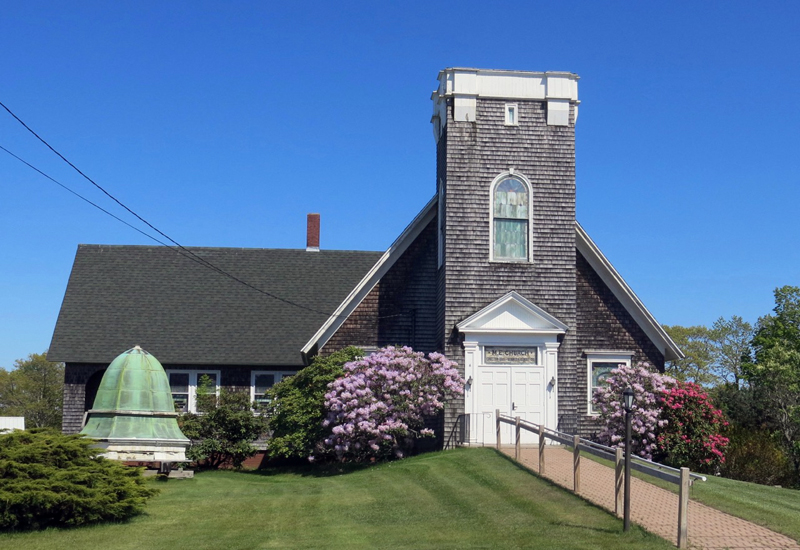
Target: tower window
{"x": 510, "y": 219}
{"x": 511, "y": 114}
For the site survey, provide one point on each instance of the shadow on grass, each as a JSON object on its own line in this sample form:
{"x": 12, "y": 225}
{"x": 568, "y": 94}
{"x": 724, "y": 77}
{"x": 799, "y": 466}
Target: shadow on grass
{"x": 326, "y": 469}
{"x": 552, "y": 483}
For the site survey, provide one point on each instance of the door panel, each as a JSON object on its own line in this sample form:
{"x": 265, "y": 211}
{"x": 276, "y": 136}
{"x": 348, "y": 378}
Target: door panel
{"x": 527, "y": 395}
{"x": 494, "y": 392}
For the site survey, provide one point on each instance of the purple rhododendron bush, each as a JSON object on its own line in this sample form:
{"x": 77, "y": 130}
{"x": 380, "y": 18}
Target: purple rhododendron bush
{"x": 377, "y": 408}
{"x": 672, "y": 422}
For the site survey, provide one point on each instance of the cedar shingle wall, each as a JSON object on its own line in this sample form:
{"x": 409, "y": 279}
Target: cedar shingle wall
{"x": 401, "y": 309}
{"x": 604, "y": 324}
{"x": 76, "y": 375}
{"x": 475, "y": 154}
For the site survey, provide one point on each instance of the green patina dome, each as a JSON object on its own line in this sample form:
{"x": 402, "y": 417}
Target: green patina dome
{"x": 134, "y": 401}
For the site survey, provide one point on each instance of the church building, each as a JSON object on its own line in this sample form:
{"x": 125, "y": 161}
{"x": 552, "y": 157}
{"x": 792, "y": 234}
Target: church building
{"x": 494, "y": 271}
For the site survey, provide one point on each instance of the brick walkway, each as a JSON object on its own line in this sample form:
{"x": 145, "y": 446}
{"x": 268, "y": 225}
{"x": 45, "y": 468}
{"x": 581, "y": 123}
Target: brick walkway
{"x": 654, "y": 508}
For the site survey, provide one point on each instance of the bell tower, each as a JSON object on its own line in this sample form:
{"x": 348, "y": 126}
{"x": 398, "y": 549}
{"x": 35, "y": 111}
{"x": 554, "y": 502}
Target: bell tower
{"x": 505, "y": 146}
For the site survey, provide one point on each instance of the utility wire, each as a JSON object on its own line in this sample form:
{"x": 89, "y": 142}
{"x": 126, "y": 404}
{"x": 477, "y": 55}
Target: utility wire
{"x": 149, "y": 236}
{"x": 177, "y": 246}
{"x": 199, "y": 259}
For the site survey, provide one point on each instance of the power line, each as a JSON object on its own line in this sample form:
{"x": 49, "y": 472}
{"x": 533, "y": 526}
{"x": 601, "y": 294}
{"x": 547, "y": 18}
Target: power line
{"x": 177, "y": 246}
{"x": 199, "y": 259}
{"x": 149, "y": 236}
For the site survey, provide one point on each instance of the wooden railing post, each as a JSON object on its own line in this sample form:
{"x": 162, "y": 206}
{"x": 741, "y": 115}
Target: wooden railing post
{"x": 497, "y": 416}
{"x": 683, "y": 510}
{"x": 541, "y": 449}
{"x": 576, "y": 464}
{"x": 516, "y": 444}
{"x": 619, "y": 468}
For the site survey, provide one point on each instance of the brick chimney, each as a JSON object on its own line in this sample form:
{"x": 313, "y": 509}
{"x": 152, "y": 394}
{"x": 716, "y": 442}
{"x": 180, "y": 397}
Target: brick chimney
{"x": 312, "y": 233}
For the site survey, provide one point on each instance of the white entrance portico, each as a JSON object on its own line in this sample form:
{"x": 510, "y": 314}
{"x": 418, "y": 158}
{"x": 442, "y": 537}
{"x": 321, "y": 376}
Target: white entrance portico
{"x": 510, "y": 364}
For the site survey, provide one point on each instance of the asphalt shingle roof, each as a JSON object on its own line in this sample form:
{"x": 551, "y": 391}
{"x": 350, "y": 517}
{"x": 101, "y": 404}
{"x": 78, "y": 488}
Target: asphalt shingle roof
{"x": 121, "y": 296}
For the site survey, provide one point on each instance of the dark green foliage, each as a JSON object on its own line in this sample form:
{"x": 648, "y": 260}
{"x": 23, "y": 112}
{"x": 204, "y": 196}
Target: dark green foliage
{"x": 33, "y": 390}
{"x": 756, "y": 456}
{"x": 48, "y": 479}
{"x": 775, "y": 370}
{"x": 223, "y": 434}
{"x": 298, "y": 406}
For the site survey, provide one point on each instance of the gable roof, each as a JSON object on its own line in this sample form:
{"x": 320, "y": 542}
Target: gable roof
{"x": 625, "y": 295}
{"x": 511, "y": 314}
{"x": 583, "y": 243}
{"x": 181, "y": 312}
{"x": 386, "y": 261}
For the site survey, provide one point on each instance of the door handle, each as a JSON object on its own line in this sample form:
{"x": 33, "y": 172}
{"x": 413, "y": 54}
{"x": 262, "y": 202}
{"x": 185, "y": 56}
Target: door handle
{"x": 513, "y": 406}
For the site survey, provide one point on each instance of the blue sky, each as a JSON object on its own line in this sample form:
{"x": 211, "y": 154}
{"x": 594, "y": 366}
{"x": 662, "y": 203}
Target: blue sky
{"x": 224, "y": 124}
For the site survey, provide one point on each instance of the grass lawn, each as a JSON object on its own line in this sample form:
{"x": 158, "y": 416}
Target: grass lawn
{"x": 466, "y": 498}
{"x": 774, "y": 508}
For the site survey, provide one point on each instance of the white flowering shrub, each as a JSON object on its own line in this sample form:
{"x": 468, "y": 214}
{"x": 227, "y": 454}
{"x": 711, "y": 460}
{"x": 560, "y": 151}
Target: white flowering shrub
{"x": 374, "y": 410}
{"x": 647, "y": 420}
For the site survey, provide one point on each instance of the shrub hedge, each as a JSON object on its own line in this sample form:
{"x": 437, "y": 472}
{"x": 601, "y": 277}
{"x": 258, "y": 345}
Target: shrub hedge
{"x": 49, "y": 479}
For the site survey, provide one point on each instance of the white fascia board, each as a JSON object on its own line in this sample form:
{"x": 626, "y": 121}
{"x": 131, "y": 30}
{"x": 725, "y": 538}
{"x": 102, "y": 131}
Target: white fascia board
{"x": 372, "y": 277}
{"x": 625, "y": 295}
{"x": 494, "y": 83}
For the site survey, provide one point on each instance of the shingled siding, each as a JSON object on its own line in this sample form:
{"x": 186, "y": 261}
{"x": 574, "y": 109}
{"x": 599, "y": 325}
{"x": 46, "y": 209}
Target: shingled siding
{"x": 75, "y": 377}
{"x": 476, "y": 153}
{"x": 604, "y": 324}
{"x": 401, "y": 309}
{"x": 232, "y": 377}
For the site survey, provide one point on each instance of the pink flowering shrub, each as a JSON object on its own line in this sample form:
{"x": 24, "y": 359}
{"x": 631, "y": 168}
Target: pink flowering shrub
{"x": 382, "y": 398}
{"x": 693, "y": 438}
{"x": 646, "y": 419}
{"x": 671, "y": 422}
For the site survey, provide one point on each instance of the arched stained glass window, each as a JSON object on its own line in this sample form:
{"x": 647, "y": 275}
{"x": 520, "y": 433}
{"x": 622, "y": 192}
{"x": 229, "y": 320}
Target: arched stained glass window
{"x": 510, "y": 209}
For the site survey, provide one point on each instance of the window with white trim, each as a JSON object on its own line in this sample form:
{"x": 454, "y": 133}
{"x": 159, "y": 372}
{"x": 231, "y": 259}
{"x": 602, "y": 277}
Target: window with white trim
{"x": 261, "y": 382}
{"x": 512, "y": 116}
{"x": 511, "y": 212}
{"x": 599, "y": 367}
{"x": 183, "y": 385}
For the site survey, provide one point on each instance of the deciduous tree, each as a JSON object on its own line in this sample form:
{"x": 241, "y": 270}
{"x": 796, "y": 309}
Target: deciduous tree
{"x": 34, "y": 390}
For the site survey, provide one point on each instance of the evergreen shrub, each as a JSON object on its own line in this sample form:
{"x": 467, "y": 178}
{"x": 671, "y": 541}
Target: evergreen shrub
{"x": 48, "y": 479}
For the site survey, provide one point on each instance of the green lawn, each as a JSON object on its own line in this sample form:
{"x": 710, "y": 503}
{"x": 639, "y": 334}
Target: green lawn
{"x": 467, "y": 498}
{"x": 773, "y": 507}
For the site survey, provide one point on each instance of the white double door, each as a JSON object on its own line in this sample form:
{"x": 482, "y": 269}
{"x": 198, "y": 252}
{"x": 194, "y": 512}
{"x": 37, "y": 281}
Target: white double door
{"x": 514, "y": 391}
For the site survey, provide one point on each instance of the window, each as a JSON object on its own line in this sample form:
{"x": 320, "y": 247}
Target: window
{"x": 600, "y": 365}
{"x": 511, "y": 114}
{"x": 261, "y": 382}
{"x": 510, "y": 219}
{"x": 183, "y": 384}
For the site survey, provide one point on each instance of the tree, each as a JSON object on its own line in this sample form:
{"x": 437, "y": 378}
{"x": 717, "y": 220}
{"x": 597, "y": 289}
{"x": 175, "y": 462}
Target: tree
{"x": 731, "y": 348}
{"x": 224, "y": 432}
{"x": 297, "y": 407}
{"x": 697, "y": 345}
{"x": 383, "y": 399}
{"x": 775, "y": 369}
{"x": 34, "y": 389}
